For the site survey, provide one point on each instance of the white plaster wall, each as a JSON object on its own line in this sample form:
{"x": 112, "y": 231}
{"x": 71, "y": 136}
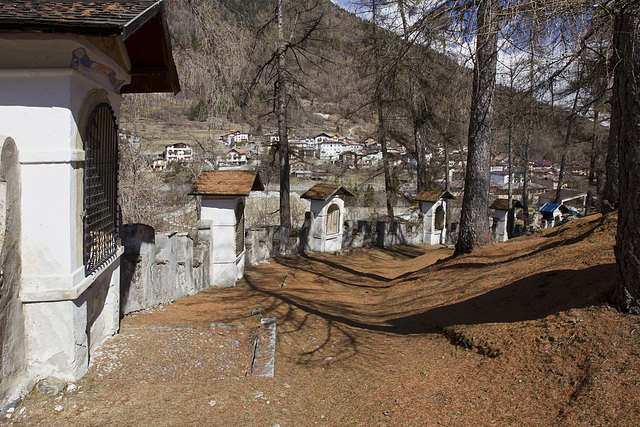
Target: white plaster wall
{"x": 320, "y": 241}
{"x": 55, "y": 344}
{"x": 225, "y": 266}
{"x": 41, "y": 98}
{"x": 41, "y": 108}
{"x": 431, "y": 235}
{"x": 501, "y": 227}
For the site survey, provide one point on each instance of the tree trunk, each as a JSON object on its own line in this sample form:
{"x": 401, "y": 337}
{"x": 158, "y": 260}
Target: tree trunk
{"x": 447, "y": 184}
{"x": 474, "y": 218}
{"x": 511, "y": 220}
{"x": 609, "y": 197}
{"x": 421, "y": 169}
{"x": 283, "y": 144}
{"x": 379, "y": 105}
{"x": 594, "y": 149}
{"x": 565, "y": 149}
{"x": 625, "y": 127}
{"x": 421, "y": 154}
{"x": 388, "y": 184}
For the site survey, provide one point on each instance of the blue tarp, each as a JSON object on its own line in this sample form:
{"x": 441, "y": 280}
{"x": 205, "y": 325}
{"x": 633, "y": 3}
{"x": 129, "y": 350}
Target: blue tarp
{"x": 548, "y": 209}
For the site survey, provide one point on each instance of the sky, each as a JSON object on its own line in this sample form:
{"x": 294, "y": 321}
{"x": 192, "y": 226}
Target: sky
{"x": 342, "y": 3}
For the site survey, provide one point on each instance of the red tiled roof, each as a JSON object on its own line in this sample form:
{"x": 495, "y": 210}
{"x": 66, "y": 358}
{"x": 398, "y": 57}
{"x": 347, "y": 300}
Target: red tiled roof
{"x": 140, "y": 23}
{"x": 325, "y": 192}
{"x": 227, "y": 183}
{"x": 432, "y": 196}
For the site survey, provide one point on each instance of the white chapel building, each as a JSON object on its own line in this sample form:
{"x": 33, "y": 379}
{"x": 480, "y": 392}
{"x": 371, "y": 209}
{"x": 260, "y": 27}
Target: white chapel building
{"x": 64, "y": 67}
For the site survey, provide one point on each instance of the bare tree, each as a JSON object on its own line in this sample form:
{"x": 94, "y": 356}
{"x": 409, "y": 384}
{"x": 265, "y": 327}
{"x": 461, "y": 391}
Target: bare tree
{"x": 275, "y": 70}
{"x": 281, "y": 112}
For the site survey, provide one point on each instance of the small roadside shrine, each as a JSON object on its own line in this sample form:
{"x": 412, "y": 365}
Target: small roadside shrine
{"x": 221, "y": 222}
{"x": 64, "y": 66}
{"x": 500, "y": 225}
{"x": 433, "y": 205}
{"x": 552, "y": 214}
{"x": 327, "y": 216}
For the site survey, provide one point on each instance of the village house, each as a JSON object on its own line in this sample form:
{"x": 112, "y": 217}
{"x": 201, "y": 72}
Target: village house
{"x": 330, "y": 150}
{"x": 234, "y": 137}
{"x": 65, "y": 66}
{"x": 158, "y": 165}
{"x": 300, "y": 169}
{"x": 349, "y": 159}
{"x": 319, "y": 138}
{"x": 234, "y": 157}
{"x": 178, "y": 152}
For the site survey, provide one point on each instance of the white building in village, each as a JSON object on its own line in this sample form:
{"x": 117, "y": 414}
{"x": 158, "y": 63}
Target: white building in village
{"x": 64, "y": 67}
{"x": 178, "y": 152}
{"x": 234, "y": 137}
{"x": 330, "y": 150}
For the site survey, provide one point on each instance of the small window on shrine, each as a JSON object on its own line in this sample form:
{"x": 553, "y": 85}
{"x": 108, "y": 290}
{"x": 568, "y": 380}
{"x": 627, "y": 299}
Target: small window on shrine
{"x": 239, "y": 228}
{"x": 100, "y": 188}
{"x": 439, "y": 218}
{"x": 333, "y": 219}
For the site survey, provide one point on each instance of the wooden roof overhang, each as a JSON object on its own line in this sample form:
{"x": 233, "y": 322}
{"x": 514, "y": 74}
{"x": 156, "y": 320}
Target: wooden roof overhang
{"x": 432, "y": 196}
{"x": 139, "y": 23}
{"x": 503, "y": 204}
{"x": 225, "y": 184}
{"x": 324, "y": 192}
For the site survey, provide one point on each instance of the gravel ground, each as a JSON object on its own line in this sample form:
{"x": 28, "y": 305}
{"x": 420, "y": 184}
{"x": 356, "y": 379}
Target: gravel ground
{"x": 514, "y": 334}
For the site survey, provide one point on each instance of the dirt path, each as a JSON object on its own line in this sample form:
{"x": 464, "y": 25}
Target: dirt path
{"x": 516, "y": 334}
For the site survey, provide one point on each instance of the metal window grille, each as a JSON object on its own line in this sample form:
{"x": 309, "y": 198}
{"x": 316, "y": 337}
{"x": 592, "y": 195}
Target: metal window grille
{"x": 239, "y": 228}
{"x": 100, "y": 188}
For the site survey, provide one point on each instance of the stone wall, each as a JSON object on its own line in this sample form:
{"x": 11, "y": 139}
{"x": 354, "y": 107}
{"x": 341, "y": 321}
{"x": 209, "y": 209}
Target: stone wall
{"x": 13, "y": 363}
{"x": 263, "y": 243}
{"x": 157, "y": 269}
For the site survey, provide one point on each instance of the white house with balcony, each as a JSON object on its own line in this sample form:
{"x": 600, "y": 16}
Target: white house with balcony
{"x": 330, "y": 150}
{"x": 234, "y": 137}
{"x": 178, "y": 152}
{"x": 64, "y": 67}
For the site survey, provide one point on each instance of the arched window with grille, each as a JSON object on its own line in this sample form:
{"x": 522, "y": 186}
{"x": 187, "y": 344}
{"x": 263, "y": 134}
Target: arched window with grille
{"x": 100, "y": 216}
{"x": 332, "y": 224}
{"x": 239, "y": 228}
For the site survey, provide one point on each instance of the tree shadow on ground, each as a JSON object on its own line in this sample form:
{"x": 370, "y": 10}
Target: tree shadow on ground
{"x": 347, "y": 327}
{"x": 533, "y": 297}
{"x": 307, "y": 261}
{"x": 552, "y": 243}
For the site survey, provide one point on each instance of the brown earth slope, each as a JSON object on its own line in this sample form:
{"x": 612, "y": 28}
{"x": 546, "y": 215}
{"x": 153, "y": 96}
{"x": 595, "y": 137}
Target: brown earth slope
{"x": 515, "y": 334}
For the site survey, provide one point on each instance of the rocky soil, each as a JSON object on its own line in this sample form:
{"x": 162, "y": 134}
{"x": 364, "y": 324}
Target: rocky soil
{"x": 515, "y": 334}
